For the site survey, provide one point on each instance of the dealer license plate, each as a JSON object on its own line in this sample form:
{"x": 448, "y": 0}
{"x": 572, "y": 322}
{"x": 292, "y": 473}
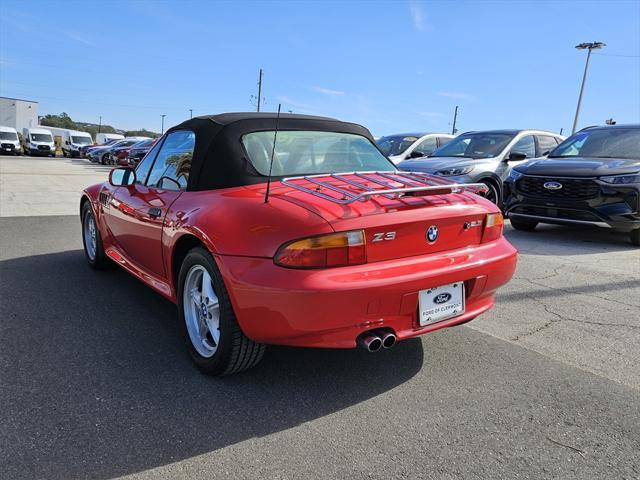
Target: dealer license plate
{"x": 440, "y": 303}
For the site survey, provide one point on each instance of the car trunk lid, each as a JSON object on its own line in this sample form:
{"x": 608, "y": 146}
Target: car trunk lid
{"x": 395, "y": 226}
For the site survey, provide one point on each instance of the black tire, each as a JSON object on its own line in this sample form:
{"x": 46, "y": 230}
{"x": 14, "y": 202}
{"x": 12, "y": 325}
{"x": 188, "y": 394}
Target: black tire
{"x": 100, "y": 260}
{"x": 523, "y": 224}
{"x": 235, "y": 352}
{"x": 103, "y": 160}
{"x": 634, "y": 235}
{"x": 493, "y": 194}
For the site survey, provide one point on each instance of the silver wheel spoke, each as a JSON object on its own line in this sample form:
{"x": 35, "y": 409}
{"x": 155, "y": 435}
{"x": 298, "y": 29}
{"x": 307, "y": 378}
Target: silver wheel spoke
{"x": 195, "y": 297}
{"x": 207, "y": 288}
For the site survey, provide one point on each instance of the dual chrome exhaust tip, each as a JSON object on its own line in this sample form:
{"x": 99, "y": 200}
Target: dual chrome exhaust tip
{"x": 374, "y": 340}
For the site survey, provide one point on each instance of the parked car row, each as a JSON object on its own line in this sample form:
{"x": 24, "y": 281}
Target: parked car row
{"x": 35, "y": 141}
{"x": 593, "y": 177}
{"x": 109, "y": 153}
{"x": 44, "y": 141}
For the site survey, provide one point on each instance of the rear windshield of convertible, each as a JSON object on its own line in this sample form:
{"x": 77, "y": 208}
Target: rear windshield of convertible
{"x": 310, "y": 152}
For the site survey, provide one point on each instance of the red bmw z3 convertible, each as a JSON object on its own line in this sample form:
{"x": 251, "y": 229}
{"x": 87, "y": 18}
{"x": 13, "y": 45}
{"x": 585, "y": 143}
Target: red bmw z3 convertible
{"x": 295, "y": 230}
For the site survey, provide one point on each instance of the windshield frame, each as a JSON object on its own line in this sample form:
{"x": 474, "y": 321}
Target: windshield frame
{"x": 73, "y": 139}
{"x": 33, "y": 137}
{"x": 13, "y": 139}
{"x": 461, "y": 138}
{"x": 585, "y": 133}
{"x": 400, "y": 141}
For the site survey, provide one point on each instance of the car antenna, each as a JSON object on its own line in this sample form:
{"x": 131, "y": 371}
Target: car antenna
{"x": 273, "y": 151}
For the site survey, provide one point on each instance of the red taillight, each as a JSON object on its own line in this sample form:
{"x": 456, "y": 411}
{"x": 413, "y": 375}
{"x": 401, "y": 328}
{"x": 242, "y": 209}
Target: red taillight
{"x": 332, "y": 250}
{"x": 493, "y": 226}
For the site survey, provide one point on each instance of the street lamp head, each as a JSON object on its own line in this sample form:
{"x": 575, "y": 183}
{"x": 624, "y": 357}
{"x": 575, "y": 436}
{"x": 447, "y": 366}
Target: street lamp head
{"x": 591, "y": 45}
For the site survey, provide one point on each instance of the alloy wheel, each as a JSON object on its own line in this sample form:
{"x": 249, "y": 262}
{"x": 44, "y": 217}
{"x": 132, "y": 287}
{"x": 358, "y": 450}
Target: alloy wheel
{"x": 201, "y": 311}
{"x": 90, "y": 236}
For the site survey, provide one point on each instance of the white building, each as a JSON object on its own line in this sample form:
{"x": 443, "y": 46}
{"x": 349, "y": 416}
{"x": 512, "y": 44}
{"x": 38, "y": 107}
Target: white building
{"x": 18, "y": 114}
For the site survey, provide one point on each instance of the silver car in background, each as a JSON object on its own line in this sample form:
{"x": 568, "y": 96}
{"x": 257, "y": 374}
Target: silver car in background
{"x": 485, "y": 157}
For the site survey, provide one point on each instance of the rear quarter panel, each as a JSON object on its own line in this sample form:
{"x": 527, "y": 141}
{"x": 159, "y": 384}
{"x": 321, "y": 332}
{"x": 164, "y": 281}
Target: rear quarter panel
{"x": 237, "y": 221}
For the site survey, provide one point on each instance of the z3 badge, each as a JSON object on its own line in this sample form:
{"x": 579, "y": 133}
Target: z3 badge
{"x": 378, "y": 237}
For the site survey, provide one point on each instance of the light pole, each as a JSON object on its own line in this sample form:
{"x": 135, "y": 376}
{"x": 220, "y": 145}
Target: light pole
{"x": 100, "y": 124}
{"x": 584, "y": 46}
{"x": 191, "y": 113}
{"x": 162, "y": 133}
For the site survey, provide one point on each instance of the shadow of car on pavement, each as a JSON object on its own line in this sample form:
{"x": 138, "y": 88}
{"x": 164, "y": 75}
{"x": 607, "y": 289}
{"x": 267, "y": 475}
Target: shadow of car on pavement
{"x": 96, "y": 381}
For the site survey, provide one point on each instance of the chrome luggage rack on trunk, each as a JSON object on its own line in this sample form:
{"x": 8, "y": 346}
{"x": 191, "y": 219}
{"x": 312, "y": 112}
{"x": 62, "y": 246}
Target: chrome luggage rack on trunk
{"x": 350, "y": 189}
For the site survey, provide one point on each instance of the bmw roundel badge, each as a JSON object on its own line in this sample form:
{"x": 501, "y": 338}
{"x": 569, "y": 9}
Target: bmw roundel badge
{"x": 432, "y": 234}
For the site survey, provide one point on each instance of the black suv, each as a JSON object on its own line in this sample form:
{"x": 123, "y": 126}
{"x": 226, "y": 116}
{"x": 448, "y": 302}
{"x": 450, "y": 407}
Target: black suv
{"x": 593, "y": 177}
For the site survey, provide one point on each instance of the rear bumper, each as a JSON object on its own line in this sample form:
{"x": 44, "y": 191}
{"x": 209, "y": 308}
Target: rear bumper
{"x": 330, "y": 308}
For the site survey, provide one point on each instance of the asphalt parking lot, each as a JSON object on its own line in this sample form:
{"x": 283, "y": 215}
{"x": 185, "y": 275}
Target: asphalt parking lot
{"x": 95, "y": 381}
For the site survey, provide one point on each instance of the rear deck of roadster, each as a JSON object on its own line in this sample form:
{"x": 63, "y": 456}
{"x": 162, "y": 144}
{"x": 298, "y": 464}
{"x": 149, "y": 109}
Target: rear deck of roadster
{"x": 333, "y": 256}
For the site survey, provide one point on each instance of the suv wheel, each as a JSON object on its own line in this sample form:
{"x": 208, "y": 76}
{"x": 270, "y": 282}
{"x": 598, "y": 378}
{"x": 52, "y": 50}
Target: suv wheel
{"x": 523, "y": 224}
{"x": 635, "y": 237}
{"x": 493, "y": 194}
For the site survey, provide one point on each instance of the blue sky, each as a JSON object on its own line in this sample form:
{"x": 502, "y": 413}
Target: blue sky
{"x": 392, "y": 66}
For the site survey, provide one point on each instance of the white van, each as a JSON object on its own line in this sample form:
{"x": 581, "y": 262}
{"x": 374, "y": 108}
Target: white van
{"x": 73, "y": 140}
{"x": 38, "y": 141}
{"x": 9, "y": 141}
{"x": 105, "y": 137}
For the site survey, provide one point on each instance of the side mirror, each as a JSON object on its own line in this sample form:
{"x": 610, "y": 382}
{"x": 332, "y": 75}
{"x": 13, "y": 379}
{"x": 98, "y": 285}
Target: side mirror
{"x": 416, "y": 154}
{"x": 122, "y": 177}
{"x": 66, "y": 142}
{"x": 516, "y": 156}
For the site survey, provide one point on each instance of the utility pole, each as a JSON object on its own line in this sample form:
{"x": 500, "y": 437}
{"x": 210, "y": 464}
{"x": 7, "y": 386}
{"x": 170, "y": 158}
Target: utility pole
{"x": 454, "y": 130}
{"x": 191, "y": 113}
{"x": 584, "y": 46}
{"x": 163, "y": 115}
{"x": 99, "y": 124}
{"x": 259, "y": 90}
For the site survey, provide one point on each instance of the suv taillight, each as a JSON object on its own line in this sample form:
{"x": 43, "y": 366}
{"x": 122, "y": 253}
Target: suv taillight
{"x": 324, "y": 251}
{"x": 493, "y": 226}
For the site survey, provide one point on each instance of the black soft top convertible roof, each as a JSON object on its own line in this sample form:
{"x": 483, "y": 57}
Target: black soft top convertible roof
{"x": 219, "y": 159}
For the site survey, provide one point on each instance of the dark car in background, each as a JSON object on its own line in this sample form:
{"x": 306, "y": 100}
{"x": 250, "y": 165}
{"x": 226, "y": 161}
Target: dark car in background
{"x": 85, "y": 150}
{"x": 103, "y": 155}
{"x": 591, "y": 178}
{"x": 138, "y": 151}
{"x": 120, "y": 155}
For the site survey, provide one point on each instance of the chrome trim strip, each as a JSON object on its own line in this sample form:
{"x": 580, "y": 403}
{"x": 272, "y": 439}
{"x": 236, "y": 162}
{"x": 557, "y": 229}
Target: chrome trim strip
{"x": 559, "y": 220}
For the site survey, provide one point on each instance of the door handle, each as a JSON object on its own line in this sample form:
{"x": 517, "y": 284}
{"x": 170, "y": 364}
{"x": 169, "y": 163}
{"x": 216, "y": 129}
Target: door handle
{"x": 155, "y": 212}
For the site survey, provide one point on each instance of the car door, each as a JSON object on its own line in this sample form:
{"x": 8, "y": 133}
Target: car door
{"x": 546, "y": 143}
{"x": 136, "y": 213}
{"x": 525, "y": 145}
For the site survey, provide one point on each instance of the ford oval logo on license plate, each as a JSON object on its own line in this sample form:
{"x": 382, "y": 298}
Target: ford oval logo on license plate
{"x": 441, "y": 298}
{"x": 552, "y": 185}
